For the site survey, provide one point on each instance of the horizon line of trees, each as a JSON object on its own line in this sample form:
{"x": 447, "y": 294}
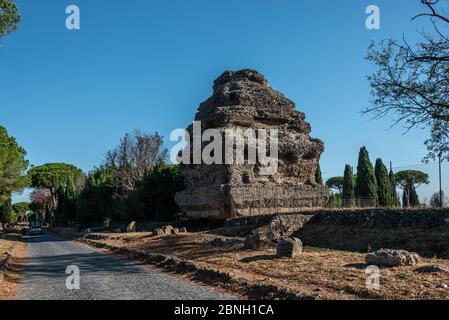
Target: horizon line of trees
{"x": 375, "y": 186}
{"x": 133, "y": 183}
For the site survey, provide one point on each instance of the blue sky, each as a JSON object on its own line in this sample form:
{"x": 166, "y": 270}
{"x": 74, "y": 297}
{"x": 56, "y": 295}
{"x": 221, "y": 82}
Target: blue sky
{"x": 68, "y": 96}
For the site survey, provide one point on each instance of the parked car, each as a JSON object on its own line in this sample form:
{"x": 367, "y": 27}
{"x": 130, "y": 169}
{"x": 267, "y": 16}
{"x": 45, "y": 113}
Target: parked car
{"x": 36, "y": 230}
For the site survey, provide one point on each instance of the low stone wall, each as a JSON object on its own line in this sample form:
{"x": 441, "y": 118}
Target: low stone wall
{"x": 384, "y": 218}
{"x": 425, "y": 231}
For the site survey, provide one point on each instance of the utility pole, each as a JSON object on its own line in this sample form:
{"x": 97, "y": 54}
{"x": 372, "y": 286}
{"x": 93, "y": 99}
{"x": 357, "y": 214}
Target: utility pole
{"x": 441, "y": 190}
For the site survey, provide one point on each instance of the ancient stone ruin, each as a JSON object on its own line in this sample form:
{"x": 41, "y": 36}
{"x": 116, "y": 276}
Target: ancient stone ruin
{"x": 244, "y": 99}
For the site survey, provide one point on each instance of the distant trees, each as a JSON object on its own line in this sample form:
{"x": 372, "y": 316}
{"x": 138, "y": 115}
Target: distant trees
{"x": 40, "y": 202}
{"x": 53, "y": 177}
{"x": 438, "y": 201}
{"x": 335, "y": 183}
{"x": 411, "y": 82}
{"x": 157, "y": 192}
{"x": 133, "y": 183}
{"x": 374, "y": 187}
{"x": 96, "y": 200}
{"x": 137, "y": 155}
{"x": 366, "y": 184}
{"x": 409, "y": 181}
{"x": 318, "y": 175}
{"x": 384, "y": 185}
{"x": 348, "y": 192}
{"x": 9, "y": 17}
{"x": 395, "y": 202}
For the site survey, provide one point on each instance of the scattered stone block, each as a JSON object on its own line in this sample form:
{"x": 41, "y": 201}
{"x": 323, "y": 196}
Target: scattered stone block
{"x": 183, "y": 230}
{"x": 167, "y": 229}
{"x": 289, "y": 248}
{"x": 256, "y": 241}
{"x": 174, "y": 231}
{"x": 392, "y": 258}
{"x": 223, "y": 242}
{"x": 131, "y": 227}
{"x": 432, "y": 269}
{"x": 158, "y": 232}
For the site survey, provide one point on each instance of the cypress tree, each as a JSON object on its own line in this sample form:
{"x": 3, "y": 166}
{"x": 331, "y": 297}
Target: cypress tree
{"x": 348, "y": 187}
{"x": 384, "y": 191}
{"x": 394, "y": 194}
{"x": 318, "y": 176}
{"x": 366, "y": 184}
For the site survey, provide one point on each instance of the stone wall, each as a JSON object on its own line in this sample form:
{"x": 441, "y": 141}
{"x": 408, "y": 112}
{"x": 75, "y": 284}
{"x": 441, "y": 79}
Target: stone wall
{"x": 425, "y": 231}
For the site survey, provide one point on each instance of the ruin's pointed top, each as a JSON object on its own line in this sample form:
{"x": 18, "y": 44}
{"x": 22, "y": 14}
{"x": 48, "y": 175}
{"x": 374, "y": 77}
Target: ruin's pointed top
{"x": 240, "y": 75}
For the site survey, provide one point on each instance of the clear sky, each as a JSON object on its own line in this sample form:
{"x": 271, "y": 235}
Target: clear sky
{"x": 68, "y": 96}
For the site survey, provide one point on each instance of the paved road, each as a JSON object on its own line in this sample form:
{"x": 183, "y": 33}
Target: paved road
{"x": 102, "y": 276}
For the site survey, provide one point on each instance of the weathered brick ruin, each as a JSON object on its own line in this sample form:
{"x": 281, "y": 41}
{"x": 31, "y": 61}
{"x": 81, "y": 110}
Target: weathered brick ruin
{"x": 220, "y": 191}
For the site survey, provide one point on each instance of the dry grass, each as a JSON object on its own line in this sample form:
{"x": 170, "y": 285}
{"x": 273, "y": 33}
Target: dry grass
{"x": 10, "y": 280}
{"x": 329, "y": 274}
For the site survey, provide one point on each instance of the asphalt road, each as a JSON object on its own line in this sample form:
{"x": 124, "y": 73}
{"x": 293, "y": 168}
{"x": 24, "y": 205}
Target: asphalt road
{"x": 102, "y": 276}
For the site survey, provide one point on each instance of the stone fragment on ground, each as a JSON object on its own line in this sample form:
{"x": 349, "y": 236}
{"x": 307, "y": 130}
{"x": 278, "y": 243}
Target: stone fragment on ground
{"x": 392, "y": 258}
{"x": 281, "y": 227}
{"x": 289, "y": 248}
{"x": 223, "y": 242}
{"x": 433, "y": 268}
{"x": 158, "y": 232}
{"x": 167, "y": 229}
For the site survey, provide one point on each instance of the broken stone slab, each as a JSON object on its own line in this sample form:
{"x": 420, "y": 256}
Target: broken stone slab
{"x": 392, "y": 258}
{"x": 280, "y": 227}
{"x": 432, "y": 269}
{"x": 257, "y": 240}
{"x": 289, "y": 248}
{"x": 174, "y": 231}
{"x": 158, "y": 232}
{"x": 224, "y": 242}
{"x": 167, "y": 229}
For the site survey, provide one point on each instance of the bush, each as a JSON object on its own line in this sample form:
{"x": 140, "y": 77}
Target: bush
{"x": 156, "y": 193}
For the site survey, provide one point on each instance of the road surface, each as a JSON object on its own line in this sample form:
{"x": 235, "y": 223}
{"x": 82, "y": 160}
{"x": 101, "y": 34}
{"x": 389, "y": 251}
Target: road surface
{"x": 102, "y": 276}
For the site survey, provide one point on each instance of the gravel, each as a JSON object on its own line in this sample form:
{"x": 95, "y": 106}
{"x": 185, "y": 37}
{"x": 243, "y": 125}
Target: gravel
{"x": 102, "y": 276}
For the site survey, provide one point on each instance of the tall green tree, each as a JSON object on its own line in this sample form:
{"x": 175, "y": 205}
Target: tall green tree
{"x": 394, "y": 194}
{"x": 409, "y": 181}
{"x": 67, "y": 195}
{"x": 12, "y": 170}
{"x": 52, "y": 176}
{"x": 348, "y": 192}
{"x": 157, "y": 193}
{"x": 366, "y": 184}
{"x": 318, "y": 175}
{"x": 9, "y": 17}
{"x": 384, "y": 187}
{"x": 97, "y": 200}
{"x": 6, "y": 213}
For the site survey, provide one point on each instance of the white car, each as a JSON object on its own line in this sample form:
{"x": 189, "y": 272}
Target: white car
{"x": 36, "y": 230}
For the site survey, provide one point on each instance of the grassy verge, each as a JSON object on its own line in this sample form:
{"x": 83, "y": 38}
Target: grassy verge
{"x": 12, "y": 255}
